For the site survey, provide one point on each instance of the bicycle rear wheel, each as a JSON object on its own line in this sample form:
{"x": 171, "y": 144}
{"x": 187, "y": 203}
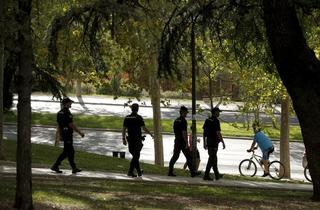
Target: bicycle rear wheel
{"x": 276, "y": 170}
{"x": 307, "y": 174}
{"x": 247, "y": 168}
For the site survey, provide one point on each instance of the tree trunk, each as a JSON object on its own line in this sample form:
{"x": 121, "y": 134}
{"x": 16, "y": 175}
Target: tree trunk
{"x": 155, "y": 101}
{"x": 284, "y": 136}
{"x": 23, "y": 198}
{"x": 1, "y": 73}
{"x": 299, "y": 70}
{"x": 194, "y": 97}
{"x": 79, "y": 94}
{"x": 78, "y": 88}
{"x": 210, "y": 92}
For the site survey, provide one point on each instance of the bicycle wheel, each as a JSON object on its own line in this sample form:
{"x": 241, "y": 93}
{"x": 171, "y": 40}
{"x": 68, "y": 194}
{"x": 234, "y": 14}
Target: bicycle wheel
{"x": 247, "y": 168}
{"x": 307, "y": 174}
{"x": 276, "y": 170}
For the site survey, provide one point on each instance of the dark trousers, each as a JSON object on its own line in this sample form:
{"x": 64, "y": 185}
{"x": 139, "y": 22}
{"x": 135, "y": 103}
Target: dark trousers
{"x": 68, "y": 152}
{"x": 212, "y": 161}
{"x": 135, "y": 149}
{"x": 176, "y": 153}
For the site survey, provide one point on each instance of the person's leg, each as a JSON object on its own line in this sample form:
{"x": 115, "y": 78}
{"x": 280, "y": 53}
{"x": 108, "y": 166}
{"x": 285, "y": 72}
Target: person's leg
{"x": 209, "y": 165}
{"x": 61, "y": 158}
{"x": 197, "y": 160}
{"x": 137, "y": 157}
{"x": 174, "y": 158}
{"x": 265, "y": 162}
{"x": 70, "y": 154}
{"x": 265, "y": 166}
{"x": 215, "y": 163}
{"x": 132, "y": 163}
{"x": 188, "y": 156}
{"x": 185, "y": 166}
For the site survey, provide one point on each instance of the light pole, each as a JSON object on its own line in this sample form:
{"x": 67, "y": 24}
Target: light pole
{"x": 193, "y": 66}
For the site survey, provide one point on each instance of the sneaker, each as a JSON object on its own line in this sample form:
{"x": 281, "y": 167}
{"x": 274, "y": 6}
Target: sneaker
{"x": 207, "y": 178}
{"x": 265, "y": 174}
{"x": 219, "y": 176}
{"x": 171, "y": 174}
{"x": 56, "y": 169}
{"x": 195, "y": 173}
{"x": 76, "y": 170}
{"x": 132, "y": 174}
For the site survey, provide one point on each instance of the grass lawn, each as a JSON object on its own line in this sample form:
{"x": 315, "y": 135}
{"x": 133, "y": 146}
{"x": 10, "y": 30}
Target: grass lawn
{"x": 80, "y": 193}
{"x": 71, "y": 192}
{"x": 113, "y": 122}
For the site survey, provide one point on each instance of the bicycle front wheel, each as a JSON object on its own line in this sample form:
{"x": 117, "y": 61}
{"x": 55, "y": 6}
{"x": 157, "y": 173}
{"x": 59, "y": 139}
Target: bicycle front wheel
{"x": 307, "y": 174}
{"x": 276, "y": 170}
{"x": 247, "y": 168}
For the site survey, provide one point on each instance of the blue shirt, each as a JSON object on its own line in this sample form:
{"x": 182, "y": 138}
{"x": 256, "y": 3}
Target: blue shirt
{"x": 263, "y": 141}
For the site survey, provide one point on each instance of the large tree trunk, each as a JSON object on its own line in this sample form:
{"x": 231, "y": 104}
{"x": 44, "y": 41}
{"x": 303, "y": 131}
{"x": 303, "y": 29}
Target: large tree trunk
{"x": 155, "y": 101}
{"x": 23, "y": 198}
{"x": 299, "y": 70}
{"x": 1, "y": 74}
{"x": 284, "y": 136}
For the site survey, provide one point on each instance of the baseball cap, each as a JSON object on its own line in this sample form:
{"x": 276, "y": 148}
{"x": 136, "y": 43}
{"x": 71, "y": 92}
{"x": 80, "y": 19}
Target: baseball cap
{"x": 66, "y": 100}
{"x": 183, "y": 108}
{"x": 215, "y": 109}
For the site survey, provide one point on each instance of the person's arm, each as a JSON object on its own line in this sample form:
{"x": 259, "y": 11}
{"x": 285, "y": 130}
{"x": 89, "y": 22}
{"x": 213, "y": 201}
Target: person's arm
{"x": 252, "y": 146}
{"x": 147, "y": 131}
{"x": 124, "y": 140}
{"x": 75, "y": 128}
{"x": 205, "y": 145}
{"x": 221, "y": 139}
{"x": 185, "y": 137}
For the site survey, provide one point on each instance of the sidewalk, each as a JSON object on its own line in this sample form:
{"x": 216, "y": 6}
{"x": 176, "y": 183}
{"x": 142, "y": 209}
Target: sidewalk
{"x": 9, "y": 170}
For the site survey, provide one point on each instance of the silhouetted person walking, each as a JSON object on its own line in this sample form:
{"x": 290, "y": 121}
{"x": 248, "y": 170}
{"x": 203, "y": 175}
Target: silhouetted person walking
{"x": 66, "y": 128}
{"x": 133, "y": 124}
{"x": 211, "y": 139}
{"x": 181, "y": 143}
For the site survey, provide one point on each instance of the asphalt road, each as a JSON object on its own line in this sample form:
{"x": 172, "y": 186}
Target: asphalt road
{"x": 106, "y": 105}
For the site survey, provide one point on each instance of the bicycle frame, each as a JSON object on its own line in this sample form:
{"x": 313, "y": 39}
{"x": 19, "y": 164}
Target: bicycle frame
{"x": 257, "y": 158}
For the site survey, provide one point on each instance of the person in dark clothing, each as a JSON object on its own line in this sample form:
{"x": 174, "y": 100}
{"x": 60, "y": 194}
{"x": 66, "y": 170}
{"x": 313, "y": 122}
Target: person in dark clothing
{"x": 211, "y": 139}
{"x": 132, "y": 125}
{"x": 181, "y": 143}
{"x": 66, "y": 128}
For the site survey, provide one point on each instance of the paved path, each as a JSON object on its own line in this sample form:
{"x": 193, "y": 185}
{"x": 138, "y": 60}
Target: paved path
{"x": 5, "y": 169}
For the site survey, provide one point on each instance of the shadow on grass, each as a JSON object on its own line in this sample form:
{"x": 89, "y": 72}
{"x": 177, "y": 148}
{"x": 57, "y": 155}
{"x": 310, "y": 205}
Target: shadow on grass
{"x": 100, "y": 195}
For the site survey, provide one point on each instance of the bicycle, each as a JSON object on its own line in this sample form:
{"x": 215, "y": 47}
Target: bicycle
{"x": 248, "y": 167}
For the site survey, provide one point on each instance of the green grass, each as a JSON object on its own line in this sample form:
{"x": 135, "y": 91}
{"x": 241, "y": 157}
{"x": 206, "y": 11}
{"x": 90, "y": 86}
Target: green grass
{"x": 113, "y": 122}
{"x": 84, "y": 193}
